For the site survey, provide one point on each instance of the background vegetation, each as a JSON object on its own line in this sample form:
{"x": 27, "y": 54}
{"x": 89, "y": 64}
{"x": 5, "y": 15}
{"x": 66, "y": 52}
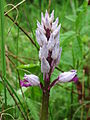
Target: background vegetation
{"x": 67, "y": 101}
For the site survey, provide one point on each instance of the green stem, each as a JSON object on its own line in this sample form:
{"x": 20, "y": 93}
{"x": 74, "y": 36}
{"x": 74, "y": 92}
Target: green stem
{"x": 71, "y": 101}
{"x": 45, "y": 100}
{"x": 3, "y": 62}
{"x": 16, "y": 70}
{"x": 45, "y": 104}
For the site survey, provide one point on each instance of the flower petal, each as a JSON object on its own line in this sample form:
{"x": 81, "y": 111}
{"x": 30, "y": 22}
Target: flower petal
{"x": 54, "y": 25}
{"x": 58, "y": 58}
{"x": 56, "y": 31}
{"x": 51, "y": 42}
{"x": 75, "y": 79}
{"x": 30, "y": 80}
{"x": 55, "y": 52}
{"x": 67, "y": 76}
{"x": 51, "y": 17}
{"x": 40, "y": 27}
{"x": 46, "y": 15}
{"x": 42, "y": 19}
{"x": 47, "y": 22}
{"x": 43, "y": 52}
{"x": 24, "y": 83}
{"x": 45, "y": 67}
{"x": 38, "y": 38}
{"x": 41, "y": 38}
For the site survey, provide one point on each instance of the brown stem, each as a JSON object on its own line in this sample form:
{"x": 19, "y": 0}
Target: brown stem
{"x": 49, "y": 6}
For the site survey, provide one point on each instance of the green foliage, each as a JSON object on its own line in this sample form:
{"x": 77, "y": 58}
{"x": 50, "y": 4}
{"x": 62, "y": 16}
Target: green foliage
{"x": 3, "y": 61}
{"x": 22, "y": 57}
{"x": 34, "y": 109}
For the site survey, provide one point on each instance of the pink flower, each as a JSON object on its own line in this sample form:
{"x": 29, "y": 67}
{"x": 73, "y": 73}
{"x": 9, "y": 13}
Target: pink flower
{"x": 30, "y": 80}
{"x": 67, "y": 76}
{"x": 47, "y": 35}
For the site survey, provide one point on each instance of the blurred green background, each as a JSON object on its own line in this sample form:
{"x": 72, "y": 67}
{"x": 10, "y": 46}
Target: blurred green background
{"x": 22, "y": 57}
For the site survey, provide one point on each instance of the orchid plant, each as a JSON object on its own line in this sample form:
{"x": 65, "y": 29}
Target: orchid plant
{"x": 47, "y": 35}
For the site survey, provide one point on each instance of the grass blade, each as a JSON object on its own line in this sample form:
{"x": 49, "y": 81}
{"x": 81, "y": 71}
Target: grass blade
{"x": 3, "y": 61}
{"x": 6, "y": 80}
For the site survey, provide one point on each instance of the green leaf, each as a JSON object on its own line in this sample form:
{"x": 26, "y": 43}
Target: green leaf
{"x": 30, "y": 69}
{"x": 66, "y": 58}
{"x": 71, "y": 18}
{"x": 10, "y": 100}
{"x": 67, "y": 37}
{"x": 3, "y": 60}
{"x": 81, "y": 16}
{"x": 1, "y": 86}
{"x": 13, "y": 91}
{"x": 34, "y": 109}
{"x": 55, "y": 74}
{"x": 77, "y": 48}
